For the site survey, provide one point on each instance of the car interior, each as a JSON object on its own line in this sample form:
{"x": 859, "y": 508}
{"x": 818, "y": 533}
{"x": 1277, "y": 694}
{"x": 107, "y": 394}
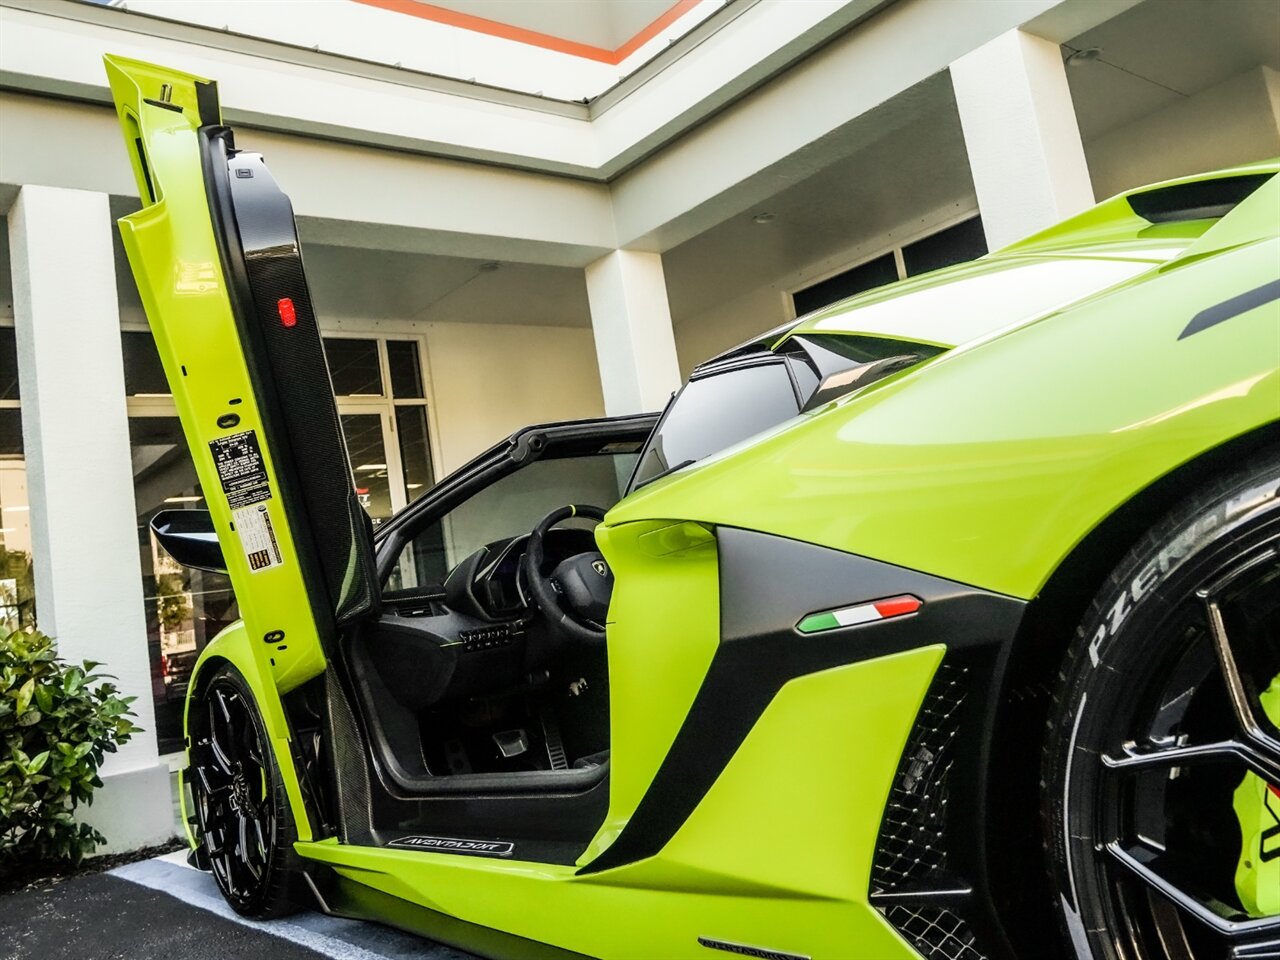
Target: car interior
{"x": 488, "y": 658}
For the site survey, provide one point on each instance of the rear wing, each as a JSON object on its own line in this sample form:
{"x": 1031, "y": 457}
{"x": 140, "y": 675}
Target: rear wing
{"x": 1140, "y": 213}
{"x": 216, "y": 258}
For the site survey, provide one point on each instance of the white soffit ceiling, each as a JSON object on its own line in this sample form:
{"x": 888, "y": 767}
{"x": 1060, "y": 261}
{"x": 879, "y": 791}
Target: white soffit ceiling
{"x": 558, "y": 49}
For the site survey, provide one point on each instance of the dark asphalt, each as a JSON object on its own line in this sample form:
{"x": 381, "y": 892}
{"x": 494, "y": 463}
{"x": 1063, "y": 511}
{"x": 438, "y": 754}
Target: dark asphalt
{"x": 101, "y": 916}
{"x": 162, "y": 910}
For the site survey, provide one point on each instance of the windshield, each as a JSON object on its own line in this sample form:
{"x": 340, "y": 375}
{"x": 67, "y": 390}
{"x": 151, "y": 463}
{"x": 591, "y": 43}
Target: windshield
{"x": 716, "y": 411}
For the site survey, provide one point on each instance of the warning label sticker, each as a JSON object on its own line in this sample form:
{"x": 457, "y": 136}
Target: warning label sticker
{"x": 240, "y": 469}
{"x": 257, "y": 537}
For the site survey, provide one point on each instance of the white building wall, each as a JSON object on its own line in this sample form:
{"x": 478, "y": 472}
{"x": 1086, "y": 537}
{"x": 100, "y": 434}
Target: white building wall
{"x": 1237, "y": 121}
{"x": 490, "y": 379}
{"x": 1022, "y": 136}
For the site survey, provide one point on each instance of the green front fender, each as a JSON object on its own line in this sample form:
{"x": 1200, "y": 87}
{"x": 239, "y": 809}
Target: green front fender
{"x": 234, "y": 647}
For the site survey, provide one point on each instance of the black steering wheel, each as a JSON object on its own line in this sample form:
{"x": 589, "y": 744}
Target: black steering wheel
{"x": 575, "y": 596}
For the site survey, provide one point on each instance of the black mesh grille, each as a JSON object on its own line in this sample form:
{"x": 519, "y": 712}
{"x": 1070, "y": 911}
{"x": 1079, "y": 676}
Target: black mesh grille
{"x": 911, "y": 843}
{"x": 936, "y": 932}
{"x": 911, "y": 852}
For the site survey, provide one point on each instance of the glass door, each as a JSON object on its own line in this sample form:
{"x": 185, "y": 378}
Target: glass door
{"x": 375, "y": 460}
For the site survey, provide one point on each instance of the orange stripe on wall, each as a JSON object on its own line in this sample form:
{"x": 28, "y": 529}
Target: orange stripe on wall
{"x": 465, "y": 21}
{"x": 674, "y": 13}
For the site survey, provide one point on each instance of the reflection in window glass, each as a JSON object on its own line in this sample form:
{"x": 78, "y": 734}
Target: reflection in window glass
{"x": 368, "y": 455}
{"x": 143, "y": 373}
{"x": 8, "y": 364}
{"x": 353, "y": 367}
{"x": 415, "y": 451}
{"x": 405, "y": 361}
{"x": 185, "y": 608}
{"x": 17, "y": 582}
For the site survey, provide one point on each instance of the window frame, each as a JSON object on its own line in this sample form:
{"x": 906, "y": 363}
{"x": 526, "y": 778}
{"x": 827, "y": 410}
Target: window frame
{"x": 866, "y": 253}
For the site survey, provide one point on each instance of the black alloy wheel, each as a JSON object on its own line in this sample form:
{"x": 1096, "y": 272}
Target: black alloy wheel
{"x": 1157, "y": 722}
{"x": 242, "y": 813}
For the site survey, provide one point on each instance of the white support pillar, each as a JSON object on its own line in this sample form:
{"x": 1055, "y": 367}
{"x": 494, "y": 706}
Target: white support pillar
{"x": 1020, "y": 129}
{"x": 75, "y": 432}
{"x": 635, "y": 345}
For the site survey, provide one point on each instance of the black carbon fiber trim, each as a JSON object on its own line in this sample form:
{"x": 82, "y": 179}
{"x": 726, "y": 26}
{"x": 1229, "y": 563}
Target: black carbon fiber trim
{"x": 347, "y": 764}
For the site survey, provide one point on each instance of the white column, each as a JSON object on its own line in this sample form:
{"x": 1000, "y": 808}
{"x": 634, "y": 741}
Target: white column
{"x": 75, "y": 431}
{"x": 635, "y": 346}
{"x": 1021, "y": 133}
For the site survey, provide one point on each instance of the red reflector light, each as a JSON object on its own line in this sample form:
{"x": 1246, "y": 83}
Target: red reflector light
{"x": 288, "y": 315}
{"x": 897, "y": 606}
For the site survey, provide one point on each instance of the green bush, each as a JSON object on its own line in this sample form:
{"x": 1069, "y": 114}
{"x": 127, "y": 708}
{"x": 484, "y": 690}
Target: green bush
{"x": 55, "y": 728}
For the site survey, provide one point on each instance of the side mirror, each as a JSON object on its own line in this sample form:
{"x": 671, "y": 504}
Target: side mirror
{"x": 190, "y": 538}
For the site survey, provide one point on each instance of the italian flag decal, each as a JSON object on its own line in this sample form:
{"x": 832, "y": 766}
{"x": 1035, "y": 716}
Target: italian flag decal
{"x": 862, "y": 613}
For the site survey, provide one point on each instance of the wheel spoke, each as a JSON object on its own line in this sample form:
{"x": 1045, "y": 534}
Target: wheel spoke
{"x": 220, "y": 733}
{"x": 232, "y": 791}
{"x": 243, "y": 849}
{"x": 1239, "y": 690}
{"x": 1227, "y": 923}
{"x": 1159, "y": 756}
{"x": 207, "y": 774}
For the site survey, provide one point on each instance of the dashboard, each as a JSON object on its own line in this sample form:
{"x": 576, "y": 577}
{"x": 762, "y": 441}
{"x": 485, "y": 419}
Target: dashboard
{"x": 490, "y": 583}
{"x": 481, "y": 634}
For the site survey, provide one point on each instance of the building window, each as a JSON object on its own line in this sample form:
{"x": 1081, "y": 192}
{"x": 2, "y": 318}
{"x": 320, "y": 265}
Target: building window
{"x": 865, "y": 276}
{"x": 17, "y": 582}
{"x": 185, "y": 608}
{"x": 382, "y": 404}
{"x": 959, "y": 243}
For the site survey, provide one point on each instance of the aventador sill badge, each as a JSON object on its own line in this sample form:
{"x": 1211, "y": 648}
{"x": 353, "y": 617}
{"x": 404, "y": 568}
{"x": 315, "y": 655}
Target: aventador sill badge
{"x": 487, "y": 848}
{"x": 742, "y": 950}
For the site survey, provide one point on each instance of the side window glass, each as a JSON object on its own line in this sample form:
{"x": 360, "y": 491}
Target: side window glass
{"x": 715, "y": 411}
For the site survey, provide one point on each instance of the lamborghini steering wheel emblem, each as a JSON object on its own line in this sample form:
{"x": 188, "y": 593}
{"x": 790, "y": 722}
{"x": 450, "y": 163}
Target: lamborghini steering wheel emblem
{"x": 599, "y": 567}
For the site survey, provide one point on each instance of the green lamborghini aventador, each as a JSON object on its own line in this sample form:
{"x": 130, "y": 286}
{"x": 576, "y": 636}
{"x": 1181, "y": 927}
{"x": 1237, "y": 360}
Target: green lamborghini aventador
{"x": 944, "y": 621}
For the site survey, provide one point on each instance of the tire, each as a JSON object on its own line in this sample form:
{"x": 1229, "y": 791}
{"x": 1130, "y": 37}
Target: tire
{"x": 243, "y": 818}
{"x": 1144, "y": 675}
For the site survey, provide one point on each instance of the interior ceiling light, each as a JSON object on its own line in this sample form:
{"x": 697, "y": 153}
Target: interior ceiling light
{"x": 183, "y": 499}
{"x": 1080, "y": 57}
{"x": 372, "y": 466}
{"x": 764, "y": 218}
